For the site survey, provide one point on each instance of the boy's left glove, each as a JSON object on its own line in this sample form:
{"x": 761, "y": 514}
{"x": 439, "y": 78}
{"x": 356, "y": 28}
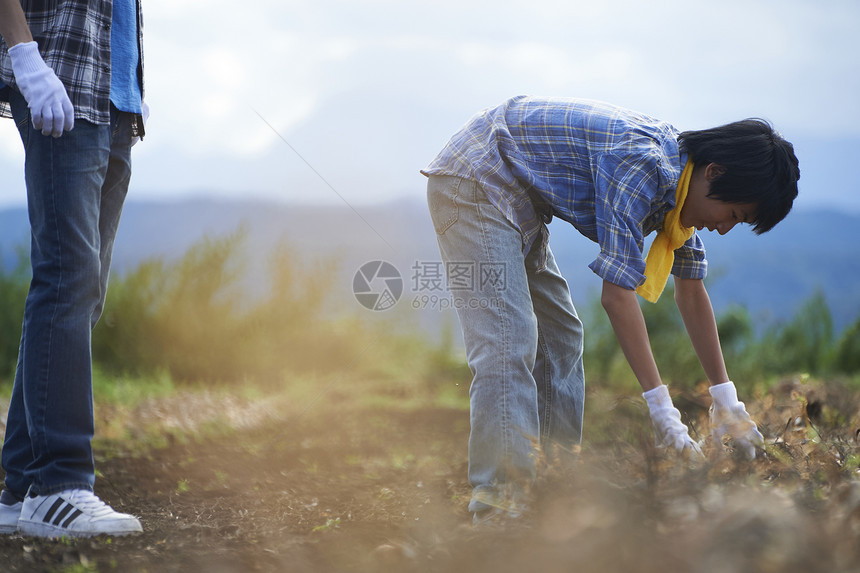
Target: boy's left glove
{"x": 729, "y": 416}
{"x": 668, "y": 428}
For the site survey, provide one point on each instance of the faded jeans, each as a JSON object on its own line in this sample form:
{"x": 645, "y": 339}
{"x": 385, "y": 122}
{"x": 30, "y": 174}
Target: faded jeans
{"x": 523, "y": 342}
{"x": 76, "y": 186}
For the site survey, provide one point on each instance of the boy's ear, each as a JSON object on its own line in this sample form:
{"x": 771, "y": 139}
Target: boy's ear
{"x": 713, "y": 171}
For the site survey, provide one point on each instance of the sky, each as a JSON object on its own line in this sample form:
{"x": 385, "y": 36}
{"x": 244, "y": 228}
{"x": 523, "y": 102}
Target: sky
{"x": 342, "y": 102}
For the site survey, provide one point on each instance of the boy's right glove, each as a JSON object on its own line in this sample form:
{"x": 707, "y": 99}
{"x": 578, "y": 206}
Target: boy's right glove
{"x": 729, "y": 416}
{"x": 668, "y": 428}
{"x": 46, "y": 96}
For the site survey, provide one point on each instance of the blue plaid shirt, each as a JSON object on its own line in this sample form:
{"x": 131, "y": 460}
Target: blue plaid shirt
{"x": 610, "y": 172}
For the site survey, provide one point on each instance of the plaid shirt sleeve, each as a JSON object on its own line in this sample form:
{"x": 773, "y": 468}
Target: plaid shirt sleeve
{"x": 690, "y": 261}
{"x": 623, "y": 187}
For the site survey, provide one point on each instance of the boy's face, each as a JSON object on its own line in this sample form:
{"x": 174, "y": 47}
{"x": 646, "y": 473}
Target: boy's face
{"x": 703, "y": 212}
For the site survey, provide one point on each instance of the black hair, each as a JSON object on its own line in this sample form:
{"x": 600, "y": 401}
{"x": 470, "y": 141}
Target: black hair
{"x": 760, "y": 167}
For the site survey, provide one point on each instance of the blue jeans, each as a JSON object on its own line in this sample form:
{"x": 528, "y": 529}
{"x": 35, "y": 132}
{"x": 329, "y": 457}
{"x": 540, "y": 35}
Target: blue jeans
{"x": 76, "y": 186}
{"x": 523, "y": 342}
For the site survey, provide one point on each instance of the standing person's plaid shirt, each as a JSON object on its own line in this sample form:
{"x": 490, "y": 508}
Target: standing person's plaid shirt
{"x": 74, "y": 40}
{"x": 610, "y": 172}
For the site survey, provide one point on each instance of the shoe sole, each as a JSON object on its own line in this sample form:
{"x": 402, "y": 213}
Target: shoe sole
{"x": 39, "y": 529}
{"x": 8, "y": 529}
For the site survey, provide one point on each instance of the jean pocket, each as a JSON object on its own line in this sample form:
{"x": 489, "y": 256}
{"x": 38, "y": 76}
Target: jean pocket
{"x": 442, "y": 193}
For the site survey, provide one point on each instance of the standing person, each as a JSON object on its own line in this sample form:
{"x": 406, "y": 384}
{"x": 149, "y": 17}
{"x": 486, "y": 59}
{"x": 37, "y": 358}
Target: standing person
{"x": 616, "y": 176}
{"x": 72, "y": 79}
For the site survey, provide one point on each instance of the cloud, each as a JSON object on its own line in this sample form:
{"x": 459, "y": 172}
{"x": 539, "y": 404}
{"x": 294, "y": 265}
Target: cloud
{"x": 369, "y": 90}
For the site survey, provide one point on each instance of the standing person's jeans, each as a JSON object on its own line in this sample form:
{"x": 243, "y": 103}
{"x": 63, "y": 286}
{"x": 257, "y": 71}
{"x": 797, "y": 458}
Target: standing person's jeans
{"x": 76, "y": 186}
{"x": 523, "y": 342}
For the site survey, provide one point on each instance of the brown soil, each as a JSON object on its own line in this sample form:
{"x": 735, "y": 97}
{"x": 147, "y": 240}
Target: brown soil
{"x": 382, "y": 489}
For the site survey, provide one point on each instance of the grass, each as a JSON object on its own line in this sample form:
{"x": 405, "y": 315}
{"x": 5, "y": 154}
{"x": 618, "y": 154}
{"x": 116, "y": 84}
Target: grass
{"x": 130, "y": 391}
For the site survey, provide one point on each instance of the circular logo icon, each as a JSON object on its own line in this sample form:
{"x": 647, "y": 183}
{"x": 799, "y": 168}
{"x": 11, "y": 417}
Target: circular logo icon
{"x": 377, "y": 285}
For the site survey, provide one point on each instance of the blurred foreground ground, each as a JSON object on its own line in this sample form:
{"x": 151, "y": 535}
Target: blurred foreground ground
{"x": 348, "y": 482}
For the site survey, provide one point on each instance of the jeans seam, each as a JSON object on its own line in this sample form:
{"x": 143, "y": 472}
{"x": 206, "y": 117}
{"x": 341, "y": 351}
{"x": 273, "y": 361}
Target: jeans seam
{"x": 507, "y": 446}
{"x": 546, "y": 426}
{"x": 46, "y": 374}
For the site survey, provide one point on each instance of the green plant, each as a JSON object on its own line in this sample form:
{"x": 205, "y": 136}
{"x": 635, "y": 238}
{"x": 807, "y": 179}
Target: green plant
{"x": 13, "y": 293}
{"x": 847, "y": 355}
{"x": 182, "y": 486}
{"x": 802, "y": 344}
{"x": 329, "y": 525}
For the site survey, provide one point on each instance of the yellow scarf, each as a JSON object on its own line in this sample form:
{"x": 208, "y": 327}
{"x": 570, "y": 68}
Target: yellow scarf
{"x": 661, "y": 255}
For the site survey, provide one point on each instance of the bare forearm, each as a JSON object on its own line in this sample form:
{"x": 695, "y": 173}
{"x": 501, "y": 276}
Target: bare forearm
{"x": 622, "y": 307}
{"x": 13, "y": 25}
{"x": 698, "y": 315}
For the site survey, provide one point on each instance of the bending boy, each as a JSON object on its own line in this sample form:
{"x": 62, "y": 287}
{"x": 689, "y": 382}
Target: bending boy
{"x": 617, "y": 176}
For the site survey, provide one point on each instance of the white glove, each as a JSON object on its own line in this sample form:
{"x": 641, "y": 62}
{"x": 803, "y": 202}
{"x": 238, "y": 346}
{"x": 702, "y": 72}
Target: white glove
{"x": 729, "y": 416}
{"x": 668, "y": 428}
{"x": 49, "y": 103}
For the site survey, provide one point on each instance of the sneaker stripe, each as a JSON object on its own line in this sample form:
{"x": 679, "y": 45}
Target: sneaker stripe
{"x": 63, "y": 513}
{"x": 53, "y": 510}
{"x": 71, "y": 518}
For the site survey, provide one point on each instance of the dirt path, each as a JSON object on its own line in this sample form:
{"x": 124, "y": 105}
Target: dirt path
{"x": 378, "y": 489}
{"x": 318, "y": 495}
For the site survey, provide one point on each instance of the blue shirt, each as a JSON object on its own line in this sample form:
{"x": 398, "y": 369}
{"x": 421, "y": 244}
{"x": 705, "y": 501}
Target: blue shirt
{"x": 610, "y": 172}
{"x": 124, "y": 57}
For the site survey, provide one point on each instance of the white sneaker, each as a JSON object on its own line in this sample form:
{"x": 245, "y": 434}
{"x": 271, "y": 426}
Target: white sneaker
{"x": 73, "y": 513}
{"x": 10, "y": 511}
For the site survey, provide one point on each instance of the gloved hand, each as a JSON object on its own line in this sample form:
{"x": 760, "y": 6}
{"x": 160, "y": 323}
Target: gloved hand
{"x": 668, "y": 428}
{"x": 729, "y": 416}
{"x": 50, "y": 106}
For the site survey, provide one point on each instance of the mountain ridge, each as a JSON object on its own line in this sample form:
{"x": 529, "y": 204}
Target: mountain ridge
{"x": 771, "y": 275}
